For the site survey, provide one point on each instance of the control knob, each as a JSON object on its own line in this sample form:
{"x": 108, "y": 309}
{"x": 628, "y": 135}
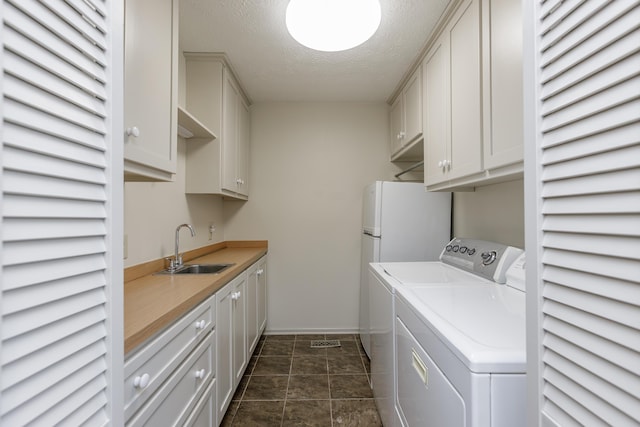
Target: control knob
{"x": 488, "y": 257}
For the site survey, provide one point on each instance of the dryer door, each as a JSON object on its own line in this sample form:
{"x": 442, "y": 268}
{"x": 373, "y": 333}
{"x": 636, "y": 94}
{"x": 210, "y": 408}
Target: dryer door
{"x": 425, "y": 396}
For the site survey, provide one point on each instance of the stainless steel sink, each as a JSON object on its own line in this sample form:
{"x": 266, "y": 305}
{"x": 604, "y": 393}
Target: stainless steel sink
{"x": 198, "y": 269}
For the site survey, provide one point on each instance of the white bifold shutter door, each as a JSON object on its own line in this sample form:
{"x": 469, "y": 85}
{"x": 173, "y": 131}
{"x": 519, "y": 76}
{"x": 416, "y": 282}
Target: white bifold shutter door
{"x": 587, "y": 189}
{"x": 61, "y": 283}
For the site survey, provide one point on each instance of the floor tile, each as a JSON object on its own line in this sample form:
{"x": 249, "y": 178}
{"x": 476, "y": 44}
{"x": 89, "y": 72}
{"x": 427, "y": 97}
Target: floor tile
{"x": 310, "y": 365}
{"x": 266, "y": 388}
{"x": 308, "y": 387}
{"x": 350, "y": 387}
{"x": 272, "y": 365}
{"x": 231, "y": 412}
{"x": 242, "y": 386}
{"x": 354, "y": 413}
{"x": 303, "y": 348}
{"x": 346, "y": 347}
{"x": 288, "y": 383}
{"x": 345, "y": 364}
{"x": 312, "y": 413}
{"x": 259, "y": 413}
{"x": 346, "y": 337}
{"x": 283, "y": 337}
{"x": 277, "y": 348}
{"x": 306, "y": 337}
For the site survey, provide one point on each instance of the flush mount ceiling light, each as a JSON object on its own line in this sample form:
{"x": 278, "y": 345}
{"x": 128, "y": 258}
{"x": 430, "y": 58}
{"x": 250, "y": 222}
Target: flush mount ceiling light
{"x": 332, "y": 25}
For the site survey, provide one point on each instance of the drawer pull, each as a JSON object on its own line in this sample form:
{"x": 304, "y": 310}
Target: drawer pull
{"x": 200, "y": 374}
{"x": 201, "y": 324}
{"x": 260, "y": 272}
{"x": 141, "y": 381}
{"x": 420, "y": 367}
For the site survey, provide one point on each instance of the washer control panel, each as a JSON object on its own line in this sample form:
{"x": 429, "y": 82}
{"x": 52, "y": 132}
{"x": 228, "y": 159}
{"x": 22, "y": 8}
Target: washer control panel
{"x": 484, "y": 258}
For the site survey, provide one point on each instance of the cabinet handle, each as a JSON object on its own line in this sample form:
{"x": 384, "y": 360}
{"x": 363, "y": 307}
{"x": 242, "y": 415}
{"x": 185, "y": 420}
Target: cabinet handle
{"x": 133, "y": 131}
{"x": 402, "y": 134}
{"x": 200, "y": 374}
{"x": 141, "y": 381}
{"x": 235, "y": 295}
{"x": 200, "y": 324}
{"x": 260, "y": 272}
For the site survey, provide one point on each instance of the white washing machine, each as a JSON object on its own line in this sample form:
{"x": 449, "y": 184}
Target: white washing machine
{"x": 457, "y": 354}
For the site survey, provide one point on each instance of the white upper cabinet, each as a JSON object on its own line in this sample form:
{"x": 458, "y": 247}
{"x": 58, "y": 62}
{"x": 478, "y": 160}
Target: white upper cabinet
{"x": 406, "y": 119}
{"x": 453, "y": 146}
{"x": 150, "y": 95}
{"x": 213, "y": 94}
{"x": 502, "y": 58}
{"x": 473, "y": 97}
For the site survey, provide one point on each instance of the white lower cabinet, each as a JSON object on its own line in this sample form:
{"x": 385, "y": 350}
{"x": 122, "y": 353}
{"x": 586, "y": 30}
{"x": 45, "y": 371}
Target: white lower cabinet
{"x": 188, "y": 373}
{"x": 232, "y": 357}
{"x": 204, "y": 414}
{"x": 165, "y": 378}
{"x": 256, "y": 302}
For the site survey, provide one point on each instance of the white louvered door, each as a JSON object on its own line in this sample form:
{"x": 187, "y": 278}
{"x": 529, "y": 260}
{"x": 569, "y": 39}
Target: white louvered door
{"x": 61, "y": 351}
{"x": 582, "y": 190}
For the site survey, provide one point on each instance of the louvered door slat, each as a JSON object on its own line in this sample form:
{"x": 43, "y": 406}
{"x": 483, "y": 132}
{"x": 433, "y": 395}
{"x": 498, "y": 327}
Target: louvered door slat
{"x": 61, "y": 330}
{"x": 24, "y": 229}
{"x": 22, "y": 115}
{"x": 583, "y": 175}
{"x": 624, "y": 225}
{"x": 594, "y": 63}
{"x": 619, "y": 137}
{"x": 79, "y": 17}
{"x": 27, "y": 161}
{"x": 61, "y": 148}
{"x": 623, "y": 336}
{"x": 611, "y": 13}
{"x": 621, "y": 203}
{"x": 607, "y": 161}
{"x": 17, "y": 66}
{"x": 60, "y": 29}
{"x": 618, "y": 311}
{"x": 600, "y": 412}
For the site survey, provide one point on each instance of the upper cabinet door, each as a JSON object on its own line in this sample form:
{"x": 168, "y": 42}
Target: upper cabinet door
{"x": 150, "y": 111}
{"x": 244, "y": 144}
{"x": 465, "y": 156}
{"x": 502, "y": 57}
{"x": 413, "y": 107}
{"x": 436, "y": 107}
{"x": 230, "y": 102}
{"x": 396, "y": 124}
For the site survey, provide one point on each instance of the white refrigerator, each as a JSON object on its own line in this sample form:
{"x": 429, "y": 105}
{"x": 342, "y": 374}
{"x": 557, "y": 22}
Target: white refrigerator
{"x": 401, "y": 221}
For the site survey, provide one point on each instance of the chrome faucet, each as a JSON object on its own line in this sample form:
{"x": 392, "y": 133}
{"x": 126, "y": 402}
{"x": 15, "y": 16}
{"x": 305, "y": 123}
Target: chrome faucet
{"x": 176, "y": 262}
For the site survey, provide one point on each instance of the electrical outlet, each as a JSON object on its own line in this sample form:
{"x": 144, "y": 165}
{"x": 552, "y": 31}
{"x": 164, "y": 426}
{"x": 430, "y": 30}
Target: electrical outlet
{"x": 125, "y": 249}
{"x": 212, "y": 229}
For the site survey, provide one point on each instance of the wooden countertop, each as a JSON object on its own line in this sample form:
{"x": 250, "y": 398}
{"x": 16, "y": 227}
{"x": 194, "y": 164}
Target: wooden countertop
{"x": 152, "y": 302}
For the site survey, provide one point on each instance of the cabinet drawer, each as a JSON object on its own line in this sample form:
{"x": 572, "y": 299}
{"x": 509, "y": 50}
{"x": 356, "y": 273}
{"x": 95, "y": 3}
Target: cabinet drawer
{"x": 204, "y": 414}
{"x": 150, "y": 366}
{"x": 176, "y": 398}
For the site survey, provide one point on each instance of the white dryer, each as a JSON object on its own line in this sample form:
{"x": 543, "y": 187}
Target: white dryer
{"x": 458, "y": 355}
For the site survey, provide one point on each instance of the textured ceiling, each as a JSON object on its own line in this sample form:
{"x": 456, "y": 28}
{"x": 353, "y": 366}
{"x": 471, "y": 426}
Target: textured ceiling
{"x": 273, "y": 67}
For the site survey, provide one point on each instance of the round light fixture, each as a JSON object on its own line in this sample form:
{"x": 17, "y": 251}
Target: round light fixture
{"x": 332, "y": 25}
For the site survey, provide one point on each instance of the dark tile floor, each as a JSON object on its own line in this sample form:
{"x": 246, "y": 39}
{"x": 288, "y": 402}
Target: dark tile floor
{"x": 288, "y": 383}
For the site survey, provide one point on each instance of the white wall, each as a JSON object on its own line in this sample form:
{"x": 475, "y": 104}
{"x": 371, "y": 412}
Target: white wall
{"x": 309, "y": 165}
{"x": 494, "y": 212}
{"x": 153, "y": 210}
